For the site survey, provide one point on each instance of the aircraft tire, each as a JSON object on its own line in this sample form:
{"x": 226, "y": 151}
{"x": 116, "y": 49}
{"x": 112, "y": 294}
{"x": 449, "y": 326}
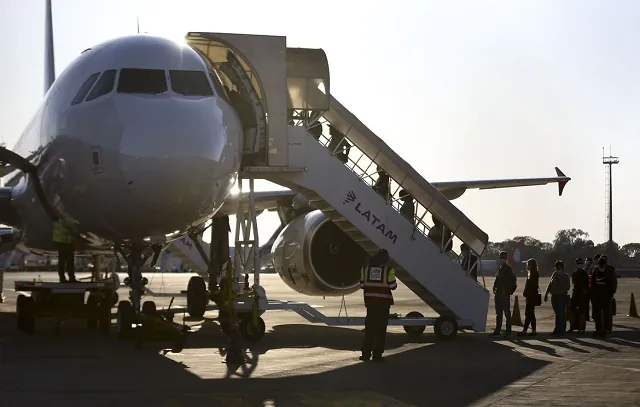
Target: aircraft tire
{"x": 446, "y": 328}
{"x": 197, "y": 297}
{"x": 414, "y": 331}
{"x": 250, "y": 332}
{"x": 124, "y": 319}
{"x": 149, "y": 308}
{"x": 25, "y": 308}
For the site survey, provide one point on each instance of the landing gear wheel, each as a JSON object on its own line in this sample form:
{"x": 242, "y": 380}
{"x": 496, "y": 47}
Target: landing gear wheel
{"x": 124, "y": 319}
{"x": 113, "y": 299}
{"x": 149, "y": 308}
{"x": 249, "y": 331}
{"x": 179, "y": 341}
{"x": 197, "y": 297}
{"x": 104, "y": 316}
{"x": 414, "y": 331}
{"x": 92, "y": 313}
{"x": 446, "y": 328}
{"x": 25, "y": 308}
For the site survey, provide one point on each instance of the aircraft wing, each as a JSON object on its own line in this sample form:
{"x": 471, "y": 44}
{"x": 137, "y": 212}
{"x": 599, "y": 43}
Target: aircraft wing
{"x": 455, "y": 189}
{"x": 270, "y": 200}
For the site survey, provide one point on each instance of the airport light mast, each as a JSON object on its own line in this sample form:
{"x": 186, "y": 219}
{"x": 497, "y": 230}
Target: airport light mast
{"x": 609, "y": 162}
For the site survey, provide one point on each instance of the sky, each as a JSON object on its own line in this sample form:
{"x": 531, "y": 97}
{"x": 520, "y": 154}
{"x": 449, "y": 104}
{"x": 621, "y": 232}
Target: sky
{"x": 459, "y": 89}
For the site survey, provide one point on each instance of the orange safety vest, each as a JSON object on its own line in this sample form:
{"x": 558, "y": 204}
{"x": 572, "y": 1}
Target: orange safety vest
{"x": 377, "y": 283}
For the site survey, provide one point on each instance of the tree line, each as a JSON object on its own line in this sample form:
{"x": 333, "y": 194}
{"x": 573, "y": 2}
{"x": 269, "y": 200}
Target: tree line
{"x": 568, "y": 245}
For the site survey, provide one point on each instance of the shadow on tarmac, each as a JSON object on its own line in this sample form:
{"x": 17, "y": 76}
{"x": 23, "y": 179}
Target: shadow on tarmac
{"x": 44, "y": 367}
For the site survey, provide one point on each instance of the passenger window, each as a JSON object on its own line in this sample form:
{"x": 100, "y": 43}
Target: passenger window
{"x": 85, "y": 88}
{"x": 104, "y": 85}
{"x": 190, "y": 83}
{"x": 145, "y": 81}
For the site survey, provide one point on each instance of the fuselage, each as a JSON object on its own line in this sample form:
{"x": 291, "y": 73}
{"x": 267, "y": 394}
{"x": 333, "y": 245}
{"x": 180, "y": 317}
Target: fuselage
{"x": 134, "y": 140}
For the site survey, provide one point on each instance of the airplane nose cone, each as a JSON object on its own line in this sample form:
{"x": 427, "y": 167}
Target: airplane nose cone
{"x": 179, "y": 159}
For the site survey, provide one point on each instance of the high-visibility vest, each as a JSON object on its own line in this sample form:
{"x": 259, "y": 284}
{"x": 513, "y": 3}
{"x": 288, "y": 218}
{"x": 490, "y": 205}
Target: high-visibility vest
{"x": 61, "y": 233}
{"x": 377, "y": 283}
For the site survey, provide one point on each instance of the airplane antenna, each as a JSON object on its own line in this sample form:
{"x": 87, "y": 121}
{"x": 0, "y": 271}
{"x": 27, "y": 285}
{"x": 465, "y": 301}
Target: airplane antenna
{"x": 138, "y": 21}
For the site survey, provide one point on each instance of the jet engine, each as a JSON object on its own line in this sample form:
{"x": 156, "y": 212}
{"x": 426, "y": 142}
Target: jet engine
{"x": 315, "y": 257}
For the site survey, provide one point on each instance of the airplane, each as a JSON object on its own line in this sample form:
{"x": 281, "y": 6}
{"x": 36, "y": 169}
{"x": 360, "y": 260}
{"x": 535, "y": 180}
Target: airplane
{"x": 136, "y": 144}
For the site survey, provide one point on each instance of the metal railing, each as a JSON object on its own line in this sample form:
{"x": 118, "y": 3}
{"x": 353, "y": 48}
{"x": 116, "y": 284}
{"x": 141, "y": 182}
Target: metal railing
{"x": 366, "y": 168}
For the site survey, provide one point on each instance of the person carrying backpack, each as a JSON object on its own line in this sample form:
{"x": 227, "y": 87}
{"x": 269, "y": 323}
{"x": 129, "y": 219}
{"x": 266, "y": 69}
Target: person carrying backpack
{"x": 559, "y": 286}
{"x": 504, "y": 286}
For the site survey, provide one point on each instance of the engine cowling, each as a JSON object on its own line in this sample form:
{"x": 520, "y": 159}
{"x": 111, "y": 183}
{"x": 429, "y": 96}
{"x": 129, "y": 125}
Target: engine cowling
{"x": 315, "y": 257}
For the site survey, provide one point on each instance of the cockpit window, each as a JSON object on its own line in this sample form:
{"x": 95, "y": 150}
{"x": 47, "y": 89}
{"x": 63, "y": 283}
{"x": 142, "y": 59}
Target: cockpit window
{"x": 217, "y": 84}
{"x": 104, "y": 85}
{"x": 85, "y": 88}
{"x": 190, "y": 83}
{"x": 146, "y": 81}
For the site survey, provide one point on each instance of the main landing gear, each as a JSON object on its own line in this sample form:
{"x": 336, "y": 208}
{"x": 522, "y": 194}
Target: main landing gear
{"x": 143, "y": 322}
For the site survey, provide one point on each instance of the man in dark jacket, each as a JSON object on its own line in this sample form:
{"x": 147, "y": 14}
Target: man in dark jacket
{"x": 579, "y": 297}
{"x": 602, "y": 289}
{"x": 503, "y": 286}
{"x": 559, "y": 287}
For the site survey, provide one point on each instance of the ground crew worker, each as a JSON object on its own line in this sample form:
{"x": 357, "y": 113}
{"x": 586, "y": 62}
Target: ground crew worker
{"x": 504, "y": 285}
{"x": 579, "y": 297}
{"x": 377, "y": 280}
{"x": 64, "y": 242}
{"x": 559, "y": 286}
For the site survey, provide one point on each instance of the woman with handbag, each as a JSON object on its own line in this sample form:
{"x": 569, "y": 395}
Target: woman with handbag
{"x": 533, "y": 298}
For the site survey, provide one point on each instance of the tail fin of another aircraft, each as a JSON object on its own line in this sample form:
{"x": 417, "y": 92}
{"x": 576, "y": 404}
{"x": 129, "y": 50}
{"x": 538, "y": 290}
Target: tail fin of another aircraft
{"x": 49, "y": 59}
{"x": 514, "y": 256}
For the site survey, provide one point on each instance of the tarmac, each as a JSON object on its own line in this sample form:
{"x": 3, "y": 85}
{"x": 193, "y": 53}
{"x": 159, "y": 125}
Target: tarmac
{"x": 303, "y": 364}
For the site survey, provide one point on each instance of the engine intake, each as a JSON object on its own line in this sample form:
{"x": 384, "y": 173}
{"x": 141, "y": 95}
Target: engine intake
{"x": 315, "y": 257}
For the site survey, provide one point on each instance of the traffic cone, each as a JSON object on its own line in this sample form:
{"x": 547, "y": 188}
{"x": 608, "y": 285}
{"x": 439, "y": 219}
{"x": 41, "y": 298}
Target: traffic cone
{"x": 633, "y": 312}
{"x": 516, "y": 319}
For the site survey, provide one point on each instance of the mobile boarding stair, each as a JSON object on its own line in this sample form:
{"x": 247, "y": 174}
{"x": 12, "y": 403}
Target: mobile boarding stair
{"x": 342, "y": 189}
{"x": 292, "y": 81}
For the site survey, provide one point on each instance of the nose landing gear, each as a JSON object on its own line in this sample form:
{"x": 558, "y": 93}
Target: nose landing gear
{"x": 143, "y": 322}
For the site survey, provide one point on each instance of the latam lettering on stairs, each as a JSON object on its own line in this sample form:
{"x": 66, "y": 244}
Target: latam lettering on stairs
{"x": 373, "y": 219}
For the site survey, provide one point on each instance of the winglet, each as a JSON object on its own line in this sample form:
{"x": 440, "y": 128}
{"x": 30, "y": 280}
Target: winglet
{"x": 562, "y": 183}
{"x": 49, "y": 59}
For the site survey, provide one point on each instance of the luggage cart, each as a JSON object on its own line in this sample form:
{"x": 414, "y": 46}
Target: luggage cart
{"x": 63, "y": 301}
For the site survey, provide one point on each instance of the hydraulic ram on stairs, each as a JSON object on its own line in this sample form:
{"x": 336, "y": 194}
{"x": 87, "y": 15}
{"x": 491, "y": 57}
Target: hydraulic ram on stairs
{"x": 362, "y": 213}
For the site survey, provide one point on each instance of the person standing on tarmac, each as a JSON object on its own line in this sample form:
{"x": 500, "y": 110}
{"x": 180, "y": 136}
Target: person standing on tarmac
{"x": 63, "y": 240}
{"x": 504, "y": 285}
{"x": 579, "y": 297}
{"x": 603, "y": 286}
{"x": 377, "y": 280}
{"x": 559, "y": 286}
{"x": 588, "y": 266}
{"x": 532, "y": 295}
